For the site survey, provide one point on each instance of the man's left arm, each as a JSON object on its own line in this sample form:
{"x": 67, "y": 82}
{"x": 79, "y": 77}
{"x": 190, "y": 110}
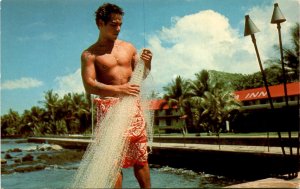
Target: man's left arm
{"x": 146, "y": 56}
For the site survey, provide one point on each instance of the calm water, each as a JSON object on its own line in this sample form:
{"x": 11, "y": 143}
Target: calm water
{"x": 60, "y": 176}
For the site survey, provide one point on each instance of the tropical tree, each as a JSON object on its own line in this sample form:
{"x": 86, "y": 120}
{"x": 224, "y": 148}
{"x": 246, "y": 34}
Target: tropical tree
{"x": 10, "y": 123}
{"x": 70, "y": 114}
{"x": 81, "y": 110}
{"x": 176, "y": 94}
{"x": 291, "y": 55}
{"x": 66, "y": 106}
{"x": 51, "y": 104}
{"x": 54, "y": 112}
{"x": 154, "y": 95}
{"x": 196, "y": 91}
{"x": 290, "y": 58}
{"x": 212, "y": 99}
{"x": 218, "y": 105}
{"x": 31, "y": 118}
{"x": 232, "y": 80}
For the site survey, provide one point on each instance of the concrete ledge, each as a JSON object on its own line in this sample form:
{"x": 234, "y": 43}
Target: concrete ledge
{"x": 229, "y": 160}
{"x": 230, "y": 140}
{"x": 270, "y": 183}
{"x": 226, "y": 162}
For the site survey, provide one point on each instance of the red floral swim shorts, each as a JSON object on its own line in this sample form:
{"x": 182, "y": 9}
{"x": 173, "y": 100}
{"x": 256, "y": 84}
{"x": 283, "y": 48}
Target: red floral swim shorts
{"x": 137, "y": 150}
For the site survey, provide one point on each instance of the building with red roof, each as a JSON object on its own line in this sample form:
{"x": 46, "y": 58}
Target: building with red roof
{"x": 257, "y": 97}
{"x": 254, "y": 100}
{"x": 167, "y": 119}
{"x": 256, "y": 114}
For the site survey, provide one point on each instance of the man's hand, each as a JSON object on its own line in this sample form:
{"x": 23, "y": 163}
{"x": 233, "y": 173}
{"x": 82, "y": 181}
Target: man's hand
{"x": 128, "y": 89}
{"x": 146, "y": 56}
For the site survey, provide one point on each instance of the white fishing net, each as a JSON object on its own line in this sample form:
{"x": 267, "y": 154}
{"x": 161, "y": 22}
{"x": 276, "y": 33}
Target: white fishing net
{"x": 103, "y": 158}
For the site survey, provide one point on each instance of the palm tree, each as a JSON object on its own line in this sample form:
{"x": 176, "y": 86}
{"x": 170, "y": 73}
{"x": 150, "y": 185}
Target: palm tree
{"x": 54, "y": 111}
{"x": 68, "y": 112}
{"x": 196, "y": 91}
{"x": 10, "y": 123}
{"x": 290, "y": 57}
{"x": 81, "y": 110}
{"x": 218, "y": 103}
{"x": 176, "y": 92}
{"x": 77, "y": 111}
{"x": 51, "y": 103}
{"x": 177, "y": 95}
{"x": 32, "y": 118}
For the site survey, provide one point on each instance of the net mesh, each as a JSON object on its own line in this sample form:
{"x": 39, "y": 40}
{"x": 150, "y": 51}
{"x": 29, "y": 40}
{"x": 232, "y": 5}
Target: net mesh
{"x": 103, "y": 159}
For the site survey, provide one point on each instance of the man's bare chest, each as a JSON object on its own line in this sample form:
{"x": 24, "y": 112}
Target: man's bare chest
{"x": 109, "y": 61}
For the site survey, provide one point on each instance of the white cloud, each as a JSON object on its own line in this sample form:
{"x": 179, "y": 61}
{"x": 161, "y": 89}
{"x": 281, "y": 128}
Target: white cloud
{"x": 268, "y": 35}
{"x": 22, "y": 83}
{"x": 205, "y": 40}
{"x": 71, "y": 83}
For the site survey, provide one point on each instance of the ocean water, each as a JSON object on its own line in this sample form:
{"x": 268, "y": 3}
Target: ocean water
{"x": 60, "y": 176}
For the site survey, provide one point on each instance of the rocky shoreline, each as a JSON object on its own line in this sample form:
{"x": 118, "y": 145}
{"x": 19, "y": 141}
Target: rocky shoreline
{"x": 18, "y": 160}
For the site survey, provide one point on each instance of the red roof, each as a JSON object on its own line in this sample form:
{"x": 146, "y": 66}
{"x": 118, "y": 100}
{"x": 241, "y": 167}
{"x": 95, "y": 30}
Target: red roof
{"x": 261, "y": 93}
{"x": 155, "y": 104}
{"x": 249, "y": 94}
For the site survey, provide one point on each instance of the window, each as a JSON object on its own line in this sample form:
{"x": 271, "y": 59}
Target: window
{"x": 168, "y": 122}
{"x": 168, "y": 111}
{"x": 263, "y": 101}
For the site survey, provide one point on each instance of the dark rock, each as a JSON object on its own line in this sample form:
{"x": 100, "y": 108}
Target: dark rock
{"x": 28, "y": 157}
{"x": 31, "y": 162}
{"x": 156, "y": 166}
{"x": 48, "y": 148}
{"x": 6, "y": 171}
{"x": 3, "y": 161}
{"x": 62, "y": 157}
{"x": 29, "y": 168}
{"x": 17, "y": 160}
{"x": 14, "y": 150}
{"x": 44, "y": 157}
{"x": 21, "y": 141}
{"x": 7, "y": 156}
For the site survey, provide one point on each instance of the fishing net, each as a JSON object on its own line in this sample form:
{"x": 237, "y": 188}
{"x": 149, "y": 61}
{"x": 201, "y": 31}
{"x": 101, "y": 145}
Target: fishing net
{"x": 103, "y": 159}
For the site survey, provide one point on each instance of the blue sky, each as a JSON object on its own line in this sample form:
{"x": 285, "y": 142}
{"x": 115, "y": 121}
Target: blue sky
{"x": 41, "y": 40}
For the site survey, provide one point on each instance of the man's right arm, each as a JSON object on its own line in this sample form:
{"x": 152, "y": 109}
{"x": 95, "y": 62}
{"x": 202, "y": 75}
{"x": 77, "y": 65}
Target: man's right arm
{"x": 88, "y": 74}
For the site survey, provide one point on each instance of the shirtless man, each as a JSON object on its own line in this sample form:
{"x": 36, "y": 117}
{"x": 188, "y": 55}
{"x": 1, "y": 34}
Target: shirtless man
{"x": 107, "y": 66}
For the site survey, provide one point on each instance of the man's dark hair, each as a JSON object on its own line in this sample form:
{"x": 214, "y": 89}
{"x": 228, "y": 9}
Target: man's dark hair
{"x": 104, "y": 12}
